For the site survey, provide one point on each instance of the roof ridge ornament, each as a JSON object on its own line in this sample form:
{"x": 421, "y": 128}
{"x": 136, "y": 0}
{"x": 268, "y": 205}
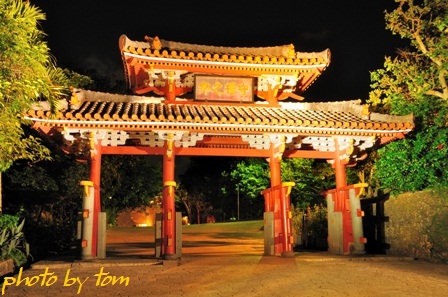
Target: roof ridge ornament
{"x": 286, "y": 50}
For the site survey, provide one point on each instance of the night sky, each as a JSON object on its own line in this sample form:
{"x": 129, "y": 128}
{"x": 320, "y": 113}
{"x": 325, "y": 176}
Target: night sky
{"x": 84, "y": 33}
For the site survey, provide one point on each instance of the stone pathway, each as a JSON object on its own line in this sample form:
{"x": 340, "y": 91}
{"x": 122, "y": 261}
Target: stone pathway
{"x": 231, "y": 265}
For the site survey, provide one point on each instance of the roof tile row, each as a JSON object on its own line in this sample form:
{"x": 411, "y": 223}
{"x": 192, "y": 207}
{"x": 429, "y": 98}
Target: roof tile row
{"x": 267, "y": 55}
{"x": 345, "y": 116}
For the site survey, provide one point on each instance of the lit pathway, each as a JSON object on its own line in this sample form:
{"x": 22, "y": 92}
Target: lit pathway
{"x": 231, "y": 264}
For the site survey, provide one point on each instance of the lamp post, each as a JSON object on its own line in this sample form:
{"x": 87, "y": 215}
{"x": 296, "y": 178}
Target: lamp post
{"x": 238, "y": 200}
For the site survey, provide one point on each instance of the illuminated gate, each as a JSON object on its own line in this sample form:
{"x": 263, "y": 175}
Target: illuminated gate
{"x": 236, "y": 111}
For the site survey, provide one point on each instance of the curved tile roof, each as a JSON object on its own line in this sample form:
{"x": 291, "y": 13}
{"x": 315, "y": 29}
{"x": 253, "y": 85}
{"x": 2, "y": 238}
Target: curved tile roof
{"x": 144, "y": 61}
{"x": 278, "y": 55}
{"x": 103, "y": 110}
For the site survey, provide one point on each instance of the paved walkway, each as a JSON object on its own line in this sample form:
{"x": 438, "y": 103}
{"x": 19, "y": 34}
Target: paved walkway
{"x": 229, "y": 264}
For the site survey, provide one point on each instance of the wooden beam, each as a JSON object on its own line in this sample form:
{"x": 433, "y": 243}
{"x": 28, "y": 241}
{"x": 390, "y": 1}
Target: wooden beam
{"x": 224, "y": 152}
{"x": 206, "y": 151}
{"x": 185, "y": 151}
{"x": 308, "y": 154}
{"x": 385, "y": 140}
{"x": 225, "y": 140}
{"x": 132, "y": 150}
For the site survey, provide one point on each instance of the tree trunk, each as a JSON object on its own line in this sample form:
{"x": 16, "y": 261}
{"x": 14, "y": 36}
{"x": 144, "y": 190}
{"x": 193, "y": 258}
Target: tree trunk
{"x": 198, "y": 212}
{"x": 1, "y": 197}
{"x": 187, "y": 207}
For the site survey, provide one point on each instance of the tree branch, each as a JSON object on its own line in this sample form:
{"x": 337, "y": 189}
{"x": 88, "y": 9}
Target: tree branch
{"x": 436, "y": 93}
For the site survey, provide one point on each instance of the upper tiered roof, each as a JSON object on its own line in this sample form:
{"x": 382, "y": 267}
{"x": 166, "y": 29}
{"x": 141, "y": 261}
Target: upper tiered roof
{"x": 148, "y": 65}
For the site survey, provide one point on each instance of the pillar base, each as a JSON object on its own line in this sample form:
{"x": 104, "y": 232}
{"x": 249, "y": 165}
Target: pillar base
{"x": 87, "y": 258}
{"x": 288, "y": 254}
{"x": 171, "y": 257}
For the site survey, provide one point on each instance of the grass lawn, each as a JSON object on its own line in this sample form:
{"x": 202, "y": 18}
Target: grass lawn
{"x": 235, "y": 230}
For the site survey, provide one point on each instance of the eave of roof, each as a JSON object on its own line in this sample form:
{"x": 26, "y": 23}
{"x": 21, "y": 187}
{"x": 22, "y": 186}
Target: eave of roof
{"x": 143, "y": 59}
{"x": 191, "y": 52}
{"x": 111, "y": 111}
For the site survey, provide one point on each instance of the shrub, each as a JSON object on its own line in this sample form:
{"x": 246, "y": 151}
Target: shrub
{"x": 13, "y": 244}
{"x": 317, "y": 221}
{"x": 314, "y": 217}
{"x": 297, "y": 215}
{"x": 417, "y": 225}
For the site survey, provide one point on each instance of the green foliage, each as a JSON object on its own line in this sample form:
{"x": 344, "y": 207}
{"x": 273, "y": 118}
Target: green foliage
{"x": 417, "y": 225}
{"x": 77, "y": 80}
{"x": 129, "y": 182}
{"x": 194, "y": 203}
{"x": 311, "y": 219}
{"x": 415, "y": 163}
{"x": 209, "y": 178}
{"x": 91, "y": 79}
{"x": 48, "y": 195}
{"x": 415, "y": 82}
{"x": 252, "y": 176}
{"x": 317, "y": 221}
{"x": 27, "y": 74}
{"x": 8, "y": 221}
{"x": 14, "y": 144}
{"x": 191, "y": 202}
{"x": 12, "y": 240}
{"x": 301, "y": 172}
{"x": 311, "y": 178}
{"x": 418, "y": 74}
{"x": 297, "y": 216}
{"x": 31, "y": 179}
{"x": 249, "y": 176}
{"x": 111, "y": 215}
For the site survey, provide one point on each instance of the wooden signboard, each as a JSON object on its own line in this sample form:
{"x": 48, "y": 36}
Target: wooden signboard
{"x": 224, "y": 88}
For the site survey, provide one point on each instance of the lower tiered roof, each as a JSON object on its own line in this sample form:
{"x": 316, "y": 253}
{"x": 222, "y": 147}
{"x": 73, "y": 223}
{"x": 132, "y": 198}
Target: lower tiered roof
{"x": 129, "y": 124}
{"x": 102, "y": 110}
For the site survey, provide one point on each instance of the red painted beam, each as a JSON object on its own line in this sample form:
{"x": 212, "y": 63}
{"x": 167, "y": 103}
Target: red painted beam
{"x": 204, "y": 151}
{"x": 308, "y": 154}
{"x": 132, "y": 150}
{"x": 228, "y": 152}
{"x": 184, "y": 151}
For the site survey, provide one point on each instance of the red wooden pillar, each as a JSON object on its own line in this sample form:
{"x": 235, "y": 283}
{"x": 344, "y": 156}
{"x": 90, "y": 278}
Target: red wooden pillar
{"x": 95, "y": 177}
{"x": 271, "y": 199}
{"x": 286, "y": 237}
{"x": 274, "y": 164}
{"x": 278, "y": 203}
{"x": 170, "y": 87}
{"x": 272, "y": 196}
{"x": 168, "y": 206}
{"x": 339, "y": 167}
{"x": 341, "y": 196}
